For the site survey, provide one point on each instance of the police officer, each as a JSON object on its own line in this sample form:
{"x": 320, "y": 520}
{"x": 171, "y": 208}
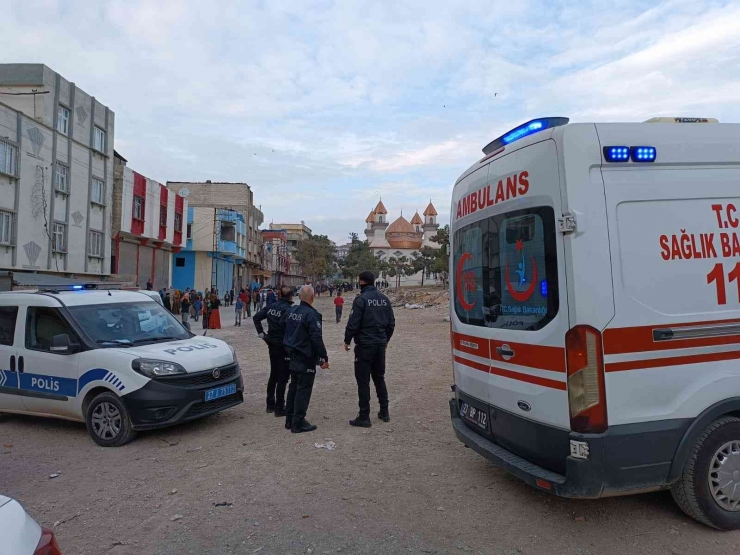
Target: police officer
{"x": 279, "y": 360}
{"x": 371, "y": 325}
{"x": 306, "y": 349}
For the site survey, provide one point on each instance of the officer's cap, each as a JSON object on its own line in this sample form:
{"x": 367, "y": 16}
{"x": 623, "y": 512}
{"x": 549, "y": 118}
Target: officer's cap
{"x": 367, "y": 276}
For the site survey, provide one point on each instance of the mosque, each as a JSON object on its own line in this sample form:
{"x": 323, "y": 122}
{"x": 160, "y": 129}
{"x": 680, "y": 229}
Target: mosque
{"x": 402, "y": 237}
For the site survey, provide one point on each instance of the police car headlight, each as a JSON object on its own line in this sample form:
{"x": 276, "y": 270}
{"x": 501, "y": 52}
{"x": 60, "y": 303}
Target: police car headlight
{"x": 233, "y": 353}
{"x": 156, "y": 368}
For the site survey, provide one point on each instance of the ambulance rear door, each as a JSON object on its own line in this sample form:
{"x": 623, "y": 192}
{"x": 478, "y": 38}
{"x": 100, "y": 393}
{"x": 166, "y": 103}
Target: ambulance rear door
{"x": 510, "y": 294}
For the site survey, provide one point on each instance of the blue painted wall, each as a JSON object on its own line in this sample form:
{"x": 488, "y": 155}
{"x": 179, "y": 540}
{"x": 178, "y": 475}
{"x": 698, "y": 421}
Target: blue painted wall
{"x": 185, "y": 276}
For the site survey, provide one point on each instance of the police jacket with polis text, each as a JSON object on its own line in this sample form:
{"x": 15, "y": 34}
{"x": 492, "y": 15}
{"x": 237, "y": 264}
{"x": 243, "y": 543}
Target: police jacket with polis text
{"x": 303, "y": 334}
{"x": 371, "y": 321}
{"x": 273, "y": 314}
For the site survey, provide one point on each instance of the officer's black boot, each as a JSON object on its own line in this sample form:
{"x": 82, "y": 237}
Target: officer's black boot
{"x": 303, "y": 426}
{"x": 270, "y": 405}
{"x": 288, "y": 422}
{"x": 280, "y": 410}
{"x": 383, "y": 415}
{"x": 362, "y": 421}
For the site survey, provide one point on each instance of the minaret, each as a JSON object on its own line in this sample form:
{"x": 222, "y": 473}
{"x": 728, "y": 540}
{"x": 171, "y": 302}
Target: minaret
{"x": 379, "y": 225}
{"x": 430, "y": 226}
{"x": 369, "y": 232}
{"x": 417, "y": 222}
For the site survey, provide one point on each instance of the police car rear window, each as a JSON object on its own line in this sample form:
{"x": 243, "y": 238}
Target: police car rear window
{"x": 505, "y": 270}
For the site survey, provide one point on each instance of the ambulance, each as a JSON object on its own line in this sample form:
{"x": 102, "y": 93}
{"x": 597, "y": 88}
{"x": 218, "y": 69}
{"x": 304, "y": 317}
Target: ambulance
{"x": 116, "y": 360}
{"x": 595, "y": 310}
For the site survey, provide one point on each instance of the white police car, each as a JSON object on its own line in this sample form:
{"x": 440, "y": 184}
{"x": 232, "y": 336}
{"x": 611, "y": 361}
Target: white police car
{"x": 116, "y": 360}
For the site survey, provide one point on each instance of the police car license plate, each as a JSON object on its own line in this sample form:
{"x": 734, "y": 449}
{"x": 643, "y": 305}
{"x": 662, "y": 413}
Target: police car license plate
{"x": 474, "y": 416}
{"x": 218, "y": 392}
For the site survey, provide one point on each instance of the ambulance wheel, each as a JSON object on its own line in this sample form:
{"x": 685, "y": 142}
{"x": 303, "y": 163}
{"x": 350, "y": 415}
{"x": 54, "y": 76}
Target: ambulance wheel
{"x": 709, "y": 487}
{"x": 108, "y": 422}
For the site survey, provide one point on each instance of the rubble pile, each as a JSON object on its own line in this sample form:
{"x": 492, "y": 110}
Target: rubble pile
{"x": 419, "y": 297}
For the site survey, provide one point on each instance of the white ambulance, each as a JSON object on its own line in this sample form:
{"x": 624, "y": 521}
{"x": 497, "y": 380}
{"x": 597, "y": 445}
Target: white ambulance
{"x": 116, "y": 360}
{"x": 595, "y": 314}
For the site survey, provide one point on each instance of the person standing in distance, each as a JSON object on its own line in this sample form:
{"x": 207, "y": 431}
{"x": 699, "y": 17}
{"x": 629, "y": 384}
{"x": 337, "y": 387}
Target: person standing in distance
{"x": 371, "y": 324}
{"x": 279, "y": 360}
{"x": 306, "y": 348}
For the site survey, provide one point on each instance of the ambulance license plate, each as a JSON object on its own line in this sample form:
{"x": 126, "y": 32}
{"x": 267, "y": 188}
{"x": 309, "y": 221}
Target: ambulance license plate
{"x": 218, "y": 392}
{"x": 474, "y": 416}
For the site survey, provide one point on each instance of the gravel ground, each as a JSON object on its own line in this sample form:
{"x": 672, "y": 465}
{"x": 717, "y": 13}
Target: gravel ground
{"x": 404, "y": 487}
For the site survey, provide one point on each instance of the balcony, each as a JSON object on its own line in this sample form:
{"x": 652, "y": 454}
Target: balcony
{"x": 227, "y": 248}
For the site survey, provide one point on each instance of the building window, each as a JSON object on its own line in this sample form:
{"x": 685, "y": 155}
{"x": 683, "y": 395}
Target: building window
{"x": 163, "y": 215}
{"x": 60, "y": 241}
{"x": 99, "y": 139}
{"x": 190, "y": 231}
{"x": 63, "y": 120}
{"x": 179, "y": 262}
{"x": 96, "y": 244}
{"x": 178, "y": 221}
{"x": 139, "y": 208}
{"x": 6, "y": 227}
{"x": 8, "y": 157}
{"x": 98, "y": 191}
{"x": 61, "y": 184}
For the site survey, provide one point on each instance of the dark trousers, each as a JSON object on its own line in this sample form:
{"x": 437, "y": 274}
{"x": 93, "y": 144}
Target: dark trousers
{"x": 299, "y": 393}
{"x": 339, "y": 313}
{"x": 370, "y": 363}
{"x": 279, "y": 375}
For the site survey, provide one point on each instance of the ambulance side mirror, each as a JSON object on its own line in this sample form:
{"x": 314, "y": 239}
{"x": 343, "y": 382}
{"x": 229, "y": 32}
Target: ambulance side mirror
{"x": 60, "y": 343}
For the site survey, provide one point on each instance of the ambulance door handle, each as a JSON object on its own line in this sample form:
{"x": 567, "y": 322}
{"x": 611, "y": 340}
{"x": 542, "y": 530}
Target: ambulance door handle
{"x": 12, "y": 363}
{"x": 505, "y": 351}
{"x": 20, "y": 365}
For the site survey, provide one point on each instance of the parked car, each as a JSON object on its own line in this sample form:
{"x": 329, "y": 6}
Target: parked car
{"x": 116, "y": 360}
{"x": 21, "y": 535}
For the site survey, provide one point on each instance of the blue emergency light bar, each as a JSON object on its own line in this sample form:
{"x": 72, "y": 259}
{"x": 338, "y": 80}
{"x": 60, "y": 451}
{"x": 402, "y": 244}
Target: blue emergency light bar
{"x": 626, "y": 153}
{"x": 524, "y": 130}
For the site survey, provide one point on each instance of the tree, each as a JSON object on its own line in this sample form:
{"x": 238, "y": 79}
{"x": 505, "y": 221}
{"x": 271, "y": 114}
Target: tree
{"x": 424, "y": 261}
{"x": 316, "y": 257}
{"x": 359, "y": 259}
{"x": 354, "y": 237}
{"x": 400, "y": 267}
{"x": 440, "y": 265}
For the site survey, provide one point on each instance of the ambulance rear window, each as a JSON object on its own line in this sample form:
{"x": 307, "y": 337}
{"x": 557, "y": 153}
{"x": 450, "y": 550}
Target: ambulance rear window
{"x": 505, "y": 270}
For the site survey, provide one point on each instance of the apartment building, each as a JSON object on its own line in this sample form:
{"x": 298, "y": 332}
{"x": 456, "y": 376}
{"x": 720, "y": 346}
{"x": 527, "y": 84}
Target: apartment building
{"x": 219, "y": 261}
{"x": 56, "y": 174}
{"x": 147, "y": 226}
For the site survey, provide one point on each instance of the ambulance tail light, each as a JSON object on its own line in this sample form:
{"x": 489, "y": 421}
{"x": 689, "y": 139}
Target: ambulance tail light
{"x": 586, "y": 390}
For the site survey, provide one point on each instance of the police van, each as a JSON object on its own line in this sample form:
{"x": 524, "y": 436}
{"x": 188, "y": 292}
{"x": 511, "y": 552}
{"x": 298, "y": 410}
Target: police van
{"x": 595, "y": 319}
{"x": 116, "y": 360}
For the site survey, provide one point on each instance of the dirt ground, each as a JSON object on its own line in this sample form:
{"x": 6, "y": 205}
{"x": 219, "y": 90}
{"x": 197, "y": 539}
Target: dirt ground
{"x": 404, "y": 487}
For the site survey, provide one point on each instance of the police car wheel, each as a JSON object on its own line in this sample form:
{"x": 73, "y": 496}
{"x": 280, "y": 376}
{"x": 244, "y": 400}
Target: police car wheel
{"x": 108, "y": 422}
{"x": 709, "y": 487}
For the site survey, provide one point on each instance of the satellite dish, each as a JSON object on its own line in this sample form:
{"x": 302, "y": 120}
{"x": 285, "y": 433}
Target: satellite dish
{"x": 184, "y": 192}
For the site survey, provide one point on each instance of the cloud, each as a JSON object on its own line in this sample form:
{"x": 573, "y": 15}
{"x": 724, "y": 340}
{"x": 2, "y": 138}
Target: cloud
{"x": 324, "y": 106}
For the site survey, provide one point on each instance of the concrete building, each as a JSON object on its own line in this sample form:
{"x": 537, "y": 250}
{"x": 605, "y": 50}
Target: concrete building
{"x": 341, "y": 251}
{"x": 402, "y": 237}
{"x": 214, "y": 251}
{"x": 283, "y": 267}
{"x": 225, "y": 250}
{"x": 294, "y": 233}
{"x": 56, "y": 174}
{"x": 147, "y": 227}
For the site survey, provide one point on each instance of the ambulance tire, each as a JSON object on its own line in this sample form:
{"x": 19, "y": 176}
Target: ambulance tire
{"x": 693, "y": 492}
{"x": 125, "y": 430}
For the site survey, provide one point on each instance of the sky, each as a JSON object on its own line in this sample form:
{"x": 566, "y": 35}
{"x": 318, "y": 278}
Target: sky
{"x": 324, "y": 107}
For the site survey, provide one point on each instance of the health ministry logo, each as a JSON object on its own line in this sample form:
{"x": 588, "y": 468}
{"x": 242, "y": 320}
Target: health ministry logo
{"x": 524, "y": 286}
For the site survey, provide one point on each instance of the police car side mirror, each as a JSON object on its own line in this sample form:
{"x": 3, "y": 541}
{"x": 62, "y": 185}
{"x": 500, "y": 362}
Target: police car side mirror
{"x": 60, "y": 343}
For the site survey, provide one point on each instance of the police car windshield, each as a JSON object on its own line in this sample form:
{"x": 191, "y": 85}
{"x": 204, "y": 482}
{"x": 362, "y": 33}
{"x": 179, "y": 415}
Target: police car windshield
{"x": 116, "y": 324}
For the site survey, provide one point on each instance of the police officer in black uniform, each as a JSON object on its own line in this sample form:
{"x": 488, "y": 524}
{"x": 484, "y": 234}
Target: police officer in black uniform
{"x": 306, "y": 349}
{"x": 371, "y": 325}
{"x": 279, "y": 360}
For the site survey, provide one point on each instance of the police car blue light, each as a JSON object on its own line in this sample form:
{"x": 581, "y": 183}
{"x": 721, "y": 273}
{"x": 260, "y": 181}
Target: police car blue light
{"x": 643, "y": 153}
